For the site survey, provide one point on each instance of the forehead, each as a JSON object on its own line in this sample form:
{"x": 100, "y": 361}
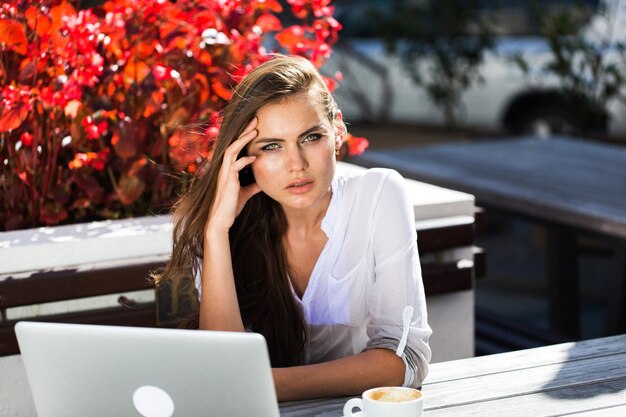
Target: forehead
{"x": 292, "y": 114}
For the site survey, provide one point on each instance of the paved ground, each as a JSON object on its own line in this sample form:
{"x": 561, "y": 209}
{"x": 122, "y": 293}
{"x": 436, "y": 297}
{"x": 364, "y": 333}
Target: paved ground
{"x": 514, "y": 289}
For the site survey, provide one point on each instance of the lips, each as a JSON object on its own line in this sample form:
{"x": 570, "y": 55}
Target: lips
{"x": 300, "y": 186}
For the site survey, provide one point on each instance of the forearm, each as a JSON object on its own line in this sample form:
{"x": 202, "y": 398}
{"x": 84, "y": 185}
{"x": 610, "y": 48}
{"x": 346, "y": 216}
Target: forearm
{"x": 346, "y": 376}
{"x": 219, "y": 307}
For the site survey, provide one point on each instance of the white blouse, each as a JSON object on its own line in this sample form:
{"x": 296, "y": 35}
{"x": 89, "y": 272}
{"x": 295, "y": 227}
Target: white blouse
{"x": 366, "y": 274}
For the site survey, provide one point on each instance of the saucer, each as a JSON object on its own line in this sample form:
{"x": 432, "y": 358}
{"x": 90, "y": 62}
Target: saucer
{"x": 357, "y": 414}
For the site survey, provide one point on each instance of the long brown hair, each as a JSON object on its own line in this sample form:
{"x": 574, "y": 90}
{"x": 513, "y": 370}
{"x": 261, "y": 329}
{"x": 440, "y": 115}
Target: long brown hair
{"x": 256, "y": 238}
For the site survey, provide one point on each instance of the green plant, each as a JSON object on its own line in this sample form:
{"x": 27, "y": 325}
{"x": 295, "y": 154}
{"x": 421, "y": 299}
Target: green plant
{"x": 101, "y": 107}
{"x": 589, "y": 65}
{"x": 442, "y": 45}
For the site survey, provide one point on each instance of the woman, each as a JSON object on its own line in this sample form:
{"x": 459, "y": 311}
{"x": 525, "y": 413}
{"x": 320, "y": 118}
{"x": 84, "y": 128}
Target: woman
{"x": 322, "y": 266}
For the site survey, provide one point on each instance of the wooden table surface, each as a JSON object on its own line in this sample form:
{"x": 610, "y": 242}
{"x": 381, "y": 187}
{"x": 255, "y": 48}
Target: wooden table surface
{"x": 564, "y": 180}
{"x": 583, "y": 379}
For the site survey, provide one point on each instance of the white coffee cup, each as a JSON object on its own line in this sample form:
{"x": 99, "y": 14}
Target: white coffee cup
{"x": 387, "y": 402}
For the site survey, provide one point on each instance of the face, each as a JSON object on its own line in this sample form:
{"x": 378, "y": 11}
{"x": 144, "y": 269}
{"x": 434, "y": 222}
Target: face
{"x": 295, "y": 150}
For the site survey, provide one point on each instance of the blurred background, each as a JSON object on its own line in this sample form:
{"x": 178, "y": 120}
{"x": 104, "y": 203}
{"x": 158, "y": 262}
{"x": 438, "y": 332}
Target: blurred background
{"x": 451, "y": 71}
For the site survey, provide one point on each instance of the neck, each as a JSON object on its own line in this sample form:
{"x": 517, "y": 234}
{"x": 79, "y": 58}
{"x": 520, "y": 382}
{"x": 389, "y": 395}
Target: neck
{"x": 310, "y": 219}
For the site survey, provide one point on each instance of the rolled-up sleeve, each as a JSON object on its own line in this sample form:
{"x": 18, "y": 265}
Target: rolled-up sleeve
{"x": 398, "y": 281}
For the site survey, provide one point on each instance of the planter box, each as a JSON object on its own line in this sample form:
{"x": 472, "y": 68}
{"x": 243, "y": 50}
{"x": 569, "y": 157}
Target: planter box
{"x": 85, "y": 246}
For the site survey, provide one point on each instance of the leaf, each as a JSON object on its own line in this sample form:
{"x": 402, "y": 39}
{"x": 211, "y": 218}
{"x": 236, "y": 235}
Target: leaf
{"x": 146, "y": 49}
{"x": 14, "y": 221}
{"x": 179, "y": 117}
{"x": 356, "y": 145}
{"x": 37, "y": 21}
{"x": 58, "y": 14}
{"x": 178, "y": 42}
{"x": 71, "y": 108}
{"x": 52, "y": 213}
{"x": 219, "y": 89}
{"x": 135, "y": 71}
{"x": 204, "y": 87}
{"x": 90, "y": 186}
{"x": 272, "y": 5}
{"x": 12, "y": 118}
{"x": 137, "y": 166}
{"x": 205, "y": 58}
{"x": 129, "y": 189}
{"x": 268, "y": 22}
{"x": 153, "y": 104}
{"x": 124, "y": 145}
{"x": 289, "y": 37}
{"x": 13, "y": 36}
{"x": 28, "y": 71}
{"x": 187, "y": 147}
{"x": 81, "y": 203}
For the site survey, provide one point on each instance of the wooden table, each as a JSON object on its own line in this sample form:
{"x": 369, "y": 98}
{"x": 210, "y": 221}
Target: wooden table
{"x": 571, "y": 186}
{"x": 584, "y": 379}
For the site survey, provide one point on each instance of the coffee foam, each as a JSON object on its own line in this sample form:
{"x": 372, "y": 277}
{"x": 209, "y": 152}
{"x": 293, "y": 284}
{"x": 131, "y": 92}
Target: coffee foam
{"x": 392, "y": 395}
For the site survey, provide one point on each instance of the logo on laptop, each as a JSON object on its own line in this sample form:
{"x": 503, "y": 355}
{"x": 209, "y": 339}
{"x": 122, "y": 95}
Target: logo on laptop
{"x": 152, "y": 401}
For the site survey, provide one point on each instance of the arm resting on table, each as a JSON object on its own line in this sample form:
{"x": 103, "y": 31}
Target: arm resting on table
{"x": 341, "y": 377}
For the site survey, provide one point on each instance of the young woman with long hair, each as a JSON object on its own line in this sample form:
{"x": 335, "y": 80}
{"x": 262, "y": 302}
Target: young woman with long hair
{"x": 323, "y": 266}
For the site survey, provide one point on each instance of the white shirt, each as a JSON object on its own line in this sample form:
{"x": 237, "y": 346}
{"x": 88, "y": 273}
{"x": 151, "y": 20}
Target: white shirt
{"x": 366, "y": 274}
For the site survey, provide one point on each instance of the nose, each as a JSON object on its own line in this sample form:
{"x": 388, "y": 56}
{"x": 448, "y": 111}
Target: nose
{"x": 296, "y": 159}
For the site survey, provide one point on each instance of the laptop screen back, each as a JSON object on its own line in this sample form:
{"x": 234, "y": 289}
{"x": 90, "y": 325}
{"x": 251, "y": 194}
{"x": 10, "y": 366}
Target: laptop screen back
{"x": 81, "y": 370}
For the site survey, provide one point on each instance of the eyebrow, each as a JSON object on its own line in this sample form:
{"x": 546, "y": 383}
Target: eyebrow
{"x": 301, "y": 135}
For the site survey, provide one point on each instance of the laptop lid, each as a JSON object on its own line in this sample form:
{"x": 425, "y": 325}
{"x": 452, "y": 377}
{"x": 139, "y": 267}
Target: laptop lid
{"x": 92, "y": 370}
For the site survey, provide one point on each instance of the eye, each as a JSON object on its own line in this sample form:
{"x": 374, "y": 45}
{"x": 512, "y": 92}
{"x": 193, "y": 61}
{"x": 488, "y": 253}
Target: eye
{"x": 270, "y": 147}
{"x": 312, "y": 137}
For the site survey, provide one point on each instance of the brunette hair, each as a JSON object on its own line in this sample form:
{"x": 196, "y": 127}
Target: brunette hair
{"x": 256, "y": 238}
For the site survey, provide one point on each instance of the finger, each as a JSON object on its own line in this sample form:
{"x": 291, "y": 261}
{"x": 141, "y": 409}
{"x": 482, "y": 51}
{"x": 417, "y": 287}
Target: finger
{"x": 249, "y": 130}
{"x": 242, "y": 162}
{"x": 236, "y": 147}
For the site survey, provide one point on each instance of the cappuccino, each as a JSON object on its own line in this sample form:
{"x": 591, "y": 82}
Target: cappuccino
{"x": 386, "y": 402}
{"x": 394, "y": 395}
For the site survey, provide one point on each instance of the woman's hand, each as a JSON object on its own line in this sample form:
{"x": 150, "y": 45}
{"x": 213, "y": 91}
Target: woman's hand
{"x": 230, "y": 196}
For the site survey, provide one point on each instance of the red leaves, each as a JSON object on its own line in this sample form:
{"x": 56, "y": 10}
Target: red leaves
{"x": 52, "y": 213}
{"x": 12, "y": 117}
{"x": 293, "y": 36}
{"x": 37, "y": 21}
{"x": 136, "y": 71}
{"x": 188, "y": 147}
{"x": 129, "y": 189}
{"x": 356, "y": 145}
{"x": 271, "y": 5}
{"x": 26, "y": 139}
{"x": 96, "y": 160}
{"x": 14, "y": 108}
{"x": 268, "y": 23}
{"x": 99, "y": 105}
{"x": 94, "y": 129}
{"x": 221, "y": 91}
{"x": 12, "y": 35}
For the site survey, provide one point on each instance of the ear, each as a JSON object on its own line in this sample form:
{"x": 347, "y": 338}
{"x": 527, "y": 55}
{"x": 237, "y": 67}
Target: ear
{"x": 340, "y": 130}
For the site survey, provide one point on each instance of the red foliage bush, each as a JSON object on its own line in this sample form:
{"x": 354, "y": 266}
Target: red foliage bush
{"x": 93, "y": 100}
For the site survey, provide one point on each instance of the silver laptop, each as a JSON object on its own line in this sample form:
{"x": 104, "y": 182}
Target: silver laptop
{"x": 89, "y": 370}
